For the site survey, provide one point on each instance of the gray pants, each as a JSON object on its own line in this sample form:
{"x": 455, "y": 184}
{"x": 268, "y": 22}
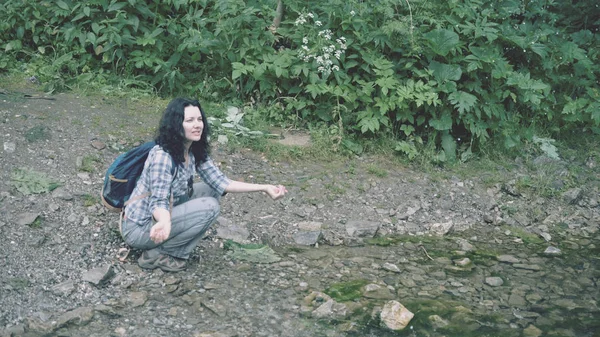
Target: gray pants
{"x": 189, "y": 221}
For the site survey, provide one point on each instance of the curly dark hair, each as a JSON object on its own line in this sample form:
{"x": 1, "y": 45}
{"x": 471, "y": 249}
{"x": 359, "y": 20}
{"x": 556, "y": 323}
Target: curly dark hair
{"x": 171, "y": 136}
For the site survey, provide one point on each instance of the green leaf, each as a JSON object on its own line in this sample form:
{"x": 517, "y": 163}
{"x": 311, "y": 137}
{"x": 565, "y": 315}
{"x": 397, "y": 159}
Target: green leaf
{"x": 62, "y": 5}
{"x": 95, "y": 27}
{"x": 86, "y": 11}
{"x": 443, "y": 123}
{"x": 449, "y": 146}
{"x": 445, "y": 72}
{"x": 115, "y": 6}
{"x": 442, "y": 41}
{"x": 463, "y": 101}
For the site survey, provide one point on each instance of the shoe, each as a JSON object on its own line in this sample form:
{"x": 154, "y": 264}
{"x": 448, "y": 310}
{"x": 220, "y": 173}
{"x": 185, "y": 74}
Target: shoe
{"x": 148, "y": 259}
{"x": 170, "y": 263}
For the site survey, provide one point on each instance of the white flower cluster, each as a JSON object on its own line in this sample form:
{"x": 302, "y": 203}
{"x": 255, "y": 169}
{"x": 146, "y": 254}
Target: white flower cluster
{"x": 323, "y": 49}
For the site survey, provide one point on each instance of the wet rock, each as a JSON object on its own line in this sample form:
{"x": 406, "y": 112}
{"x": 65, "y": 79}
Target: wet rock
{"x": 507, "y": 259}
{"x": 391, "y": 267}
{"x": 516, "y": 300}
{"x": 572, "y": 196}
{"x": 441, "y": 228}
{"x": 358, "y": 228}
{"x": 307, "y": 238}
{"x": 494, "y": 281}
{"x": 216, "y": 308}
{"x": 463, "y": 262}
{"x": 546, "y": 236}
{"x": 550, "y": 250}
{"x": 99, "y": 276}
{"x": 26, "y": 219}
{"x": 376, "y": 291}
{"x": 395, "y": 316}
{"x": 465, "y": 245}
{"x": 533, "y": 267}
{"x": 331, "y": 310}
{"x": 437, "y": 322}
{"x": 532, "y": 331}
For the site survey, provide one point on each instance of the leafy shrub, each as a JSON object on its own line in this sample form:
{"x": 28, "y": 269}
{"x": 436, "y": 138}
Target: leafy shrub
{"x": 453, "y": 73}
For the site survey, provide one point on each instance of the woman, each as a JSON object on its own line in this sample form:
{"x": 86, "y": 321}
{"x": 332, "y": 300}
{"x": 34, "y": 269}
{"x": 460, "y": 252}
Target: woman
{"x": 169, "y": 222}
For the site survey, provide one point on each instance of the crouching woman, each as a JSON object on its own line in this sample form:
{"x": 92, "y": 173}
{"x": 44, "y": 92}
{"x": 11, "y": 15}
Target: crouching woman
{"x": 169, "y": 213}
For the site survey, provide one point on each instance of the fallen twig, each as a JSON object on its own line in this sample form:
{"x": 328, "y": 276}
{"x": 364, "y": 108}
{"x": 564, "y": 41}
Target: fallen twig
{"x": 425, "y": 251}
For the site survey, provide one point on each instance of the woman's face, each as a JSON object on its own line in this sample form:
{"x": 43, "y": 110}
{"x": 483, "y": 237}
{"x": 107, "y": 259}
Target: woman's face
{"x": 192, "y": 124}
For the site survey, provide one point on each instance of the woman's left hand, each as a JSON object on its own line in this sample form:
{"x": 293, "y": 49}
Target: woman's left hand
{"x": 276, "y": 192}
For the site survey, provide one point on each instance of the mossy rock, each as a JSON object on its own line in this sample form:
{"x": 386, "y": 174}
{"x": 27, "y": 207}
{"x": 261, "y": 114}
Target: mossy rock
{"x": 346, "y": 291}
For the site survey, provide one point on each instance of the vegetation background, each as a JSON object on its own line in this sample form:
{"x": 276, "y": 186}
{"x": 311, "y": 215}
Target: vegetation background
{"x": 436, "y": 81}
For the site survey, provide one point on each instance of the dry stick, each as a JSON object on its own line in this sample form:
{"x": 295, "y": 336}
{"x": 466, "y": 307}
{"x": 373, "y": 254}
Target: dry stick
{"x": 425, "y": 251}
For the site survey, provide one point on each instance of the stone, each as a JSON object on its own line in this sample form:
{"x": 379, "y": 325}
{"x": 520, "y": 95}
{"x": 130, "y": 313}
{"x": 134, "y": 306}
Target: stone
{"x": 465, "y": 245}
{"x": 98, "y": 145}
{"x": 507, "y": 259}
{"x": 62, "y": 193}
{"x": 358, "y": 228}
{"x": 391, "y": 267}
{"x": 516, "y": 300}
{"x": 494, "y": 281}
{"x": 572, "y": 196}
{"x": 63, "y": 289}
{"x": 532, "y": 331}
{"x": 10, "y": 147}
{"x": 233, "y": 232}
{"x": 464, "y": 262}
{"x": 546, "y": 236}
{"x": 533, "y": 267}
{"x": 330, "y": 309}
{"x": 136, "y": 298}
{"x": 441, "y": 228}
{"x": 80, "y": 316}
{"x": 378, "y": 292}
{"x": 307, "y": 238}
{"x": 27, "y": 218}
{"x": 437, "y": 322}
{"x": 310, "y": 226}
{"x": 99, "y": 276}
{"x": 395, "y": 316}
{"x": 550, "y": 250}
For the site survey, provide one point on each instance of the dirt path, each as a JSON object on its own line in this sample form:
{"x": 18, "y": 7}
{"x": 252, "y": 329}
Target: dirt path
{"x": 61, "y": 274}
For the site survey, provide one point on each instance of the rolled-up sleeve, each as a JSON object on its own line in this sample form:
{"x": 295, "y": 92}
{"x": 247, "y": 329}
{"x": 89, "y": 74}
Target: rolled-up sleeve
{"x": 160, "y": 180}
{"x": 212, "y": 176}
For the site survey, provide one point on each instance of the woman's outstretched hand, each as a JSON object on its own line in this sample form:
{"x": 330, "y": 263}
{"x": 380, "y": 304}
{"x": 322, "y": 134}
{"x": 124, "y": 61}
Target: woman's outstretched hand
{"x": 276, "y": 192}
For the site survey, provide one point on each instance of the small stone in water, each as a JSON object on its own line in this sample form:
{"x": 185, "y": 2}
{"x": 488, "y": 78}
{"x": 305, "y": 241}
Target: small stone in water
{"x": 552, "y": 251}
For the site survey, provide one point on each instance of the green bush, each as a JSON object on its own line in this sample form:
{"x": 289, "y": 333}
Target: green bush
{"x": 449, "y": 73}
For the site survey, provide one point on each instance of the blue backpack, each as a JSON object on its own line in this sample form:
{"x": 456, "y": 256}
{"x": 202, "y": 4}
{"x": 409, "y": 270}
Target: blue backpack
{"x": 122, "y": 176}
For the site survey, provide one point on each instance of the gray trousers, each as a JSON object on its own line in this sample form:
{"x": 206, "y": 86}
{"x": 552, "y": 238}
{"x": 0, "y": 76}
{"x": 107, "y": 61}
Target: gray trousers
{"x": 189, "y": 221}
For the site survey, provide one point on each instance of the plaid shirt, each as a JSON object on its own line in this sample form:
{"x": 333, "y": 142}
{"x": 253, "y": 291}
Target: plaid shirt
{"x": 156, "y": 180}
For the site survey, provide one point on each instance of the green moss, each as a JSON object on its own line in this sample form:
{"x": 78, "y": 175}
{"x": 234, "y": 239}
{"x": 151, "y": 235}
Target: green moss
{"x": 89, "y": 162}
{"x": 346, "y": 291}
{"x": 527, "y": 237}
{"x": 377, "y": 171}
{"x": 89, "y": 200}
